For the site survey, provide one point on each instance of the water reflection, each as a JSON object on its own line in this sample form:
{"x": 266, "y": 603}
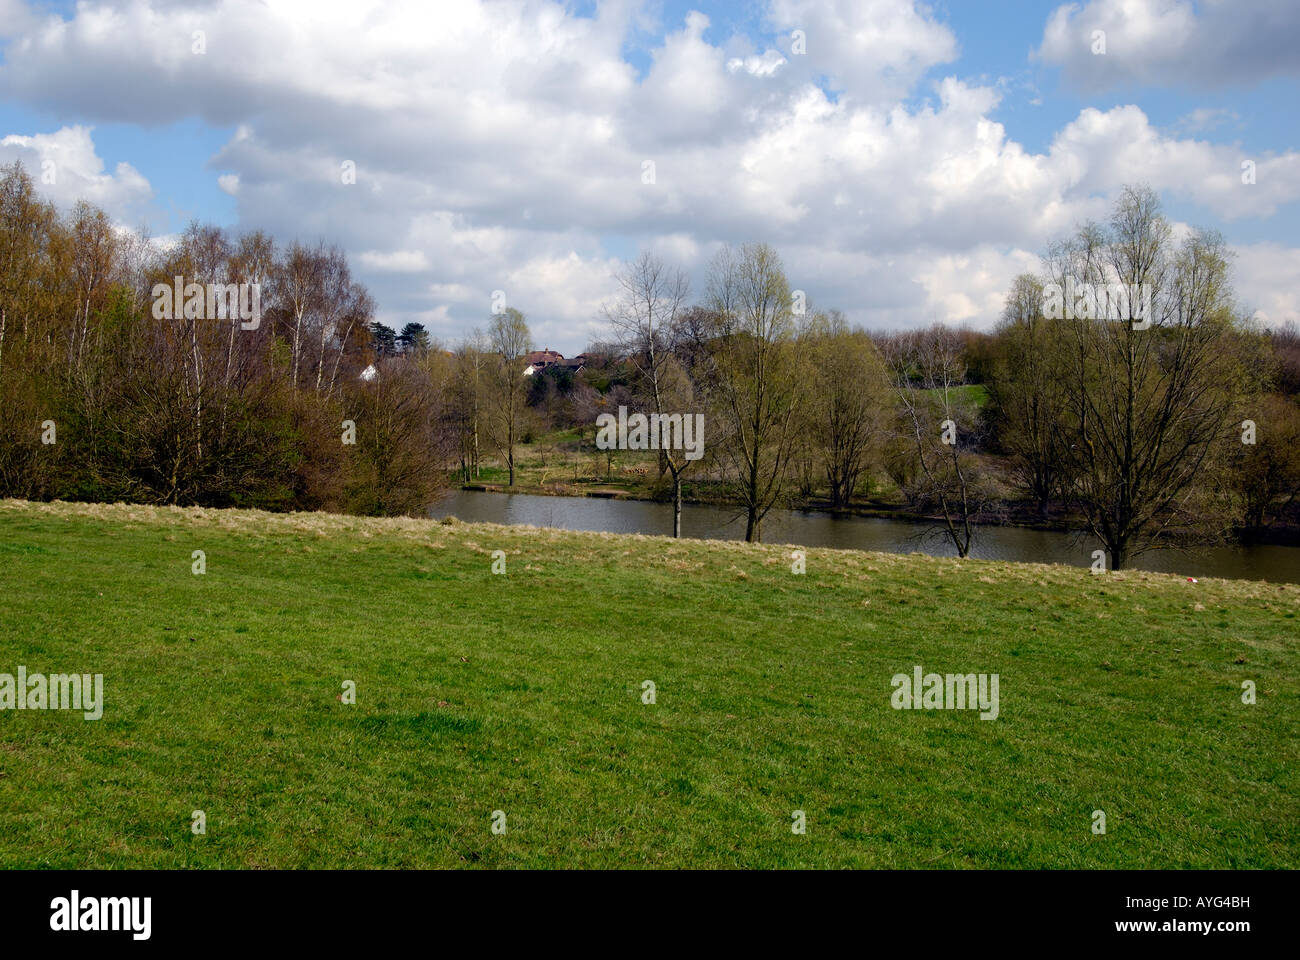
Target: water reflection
{"x": 811, "y": 529}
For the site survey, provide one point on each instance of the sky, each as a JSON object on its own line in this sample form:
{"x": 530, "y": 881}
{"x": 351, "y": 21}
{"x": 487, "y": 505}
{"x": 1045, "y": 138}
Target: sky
{"x": 906, "y": 160}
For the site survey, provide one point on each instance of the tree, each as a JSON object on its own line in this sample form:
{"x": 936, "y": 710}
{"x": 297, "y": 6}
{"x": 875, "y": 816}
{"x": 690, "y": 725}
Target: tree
{"x": 1027, "y": 391}
{"x": 413, "y": 338}
{"x": 299, "y": 283}
{"x": 182, "y": 409}
{"x": 645, "y": 320}
{"x": 1266, "y": 466}
{"x": 26, "y": 228}
{"x": 1152, "y": 394}
{"x": 939, "y": 423}
{"x": 399, "y": 448}
{"x": 382, "y": 340}
{"x": 847, "y": 387}
{"x": 29, "y": 300}
{"x": 1285, "y": 342}
{"x": 467, "y": 398}
{"x": 512, "y": 342}
{"x": 342, "y": 304}
{"x": 753, "y": 376}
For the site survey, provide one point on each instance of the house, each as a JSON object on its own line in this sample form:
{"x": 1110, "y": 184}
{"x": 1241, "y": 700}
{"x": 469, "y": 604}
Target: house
{"x": 540, "y": 360}
{"x": 575, "y": 365}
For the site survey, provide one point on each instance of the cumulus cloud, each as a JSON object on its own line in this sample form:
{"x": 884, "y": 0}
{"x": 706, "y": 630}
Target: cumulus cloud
{"x": 66, "y": 168}
{"x": 1204, "y": 119}
{"x": 15, "y": 18}
{"x": 395, "y": 261}
{"x": 872, "y": 50}
{"x": 1172, "y": 42}
{"x": 462, "y": 149}
{"x": 1121, "y": 146}
{"x": 1267, "y": 280}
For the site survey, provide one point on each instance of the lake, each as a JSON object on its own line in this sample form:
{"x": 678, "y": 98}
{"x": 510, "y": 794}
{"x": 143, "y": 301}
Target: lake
{"x": 817, "y": 529}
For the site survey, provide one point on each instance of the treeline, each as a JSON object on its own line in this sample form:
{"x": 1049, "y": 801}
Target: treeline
{"x": 1157, "y": 417}
{"x": 101, "y": 398}
{"x": 1147, "y": 410}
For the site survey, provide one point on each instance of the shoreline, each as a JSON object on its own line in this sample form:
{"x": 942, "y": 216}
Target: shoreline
{"x": 1284, "y": 535}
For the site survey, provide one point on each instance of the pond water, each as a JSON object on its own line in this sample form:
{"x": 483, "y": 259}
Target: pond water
{"x": 816, "y": 529}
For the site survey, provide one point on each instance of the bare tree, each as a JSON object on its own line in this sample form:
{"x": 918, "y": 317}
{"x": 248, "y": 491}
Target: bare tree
{"x": 753, "y": 376}
{"x": 469, "y": 373}
{"x": 1267, "y": 469}
{"x": 26, "y": 227}
{"x": 399, "y": 450}
{"x": 512, "y": 342}
{"x": 939, "y": 423}
{"x": 1153, "y": 392}
{"x": 847, "y": 403}
{"x": 298, "y": 284}
{"x": 1027, "y": 392}
{"x": 645, "y": 318}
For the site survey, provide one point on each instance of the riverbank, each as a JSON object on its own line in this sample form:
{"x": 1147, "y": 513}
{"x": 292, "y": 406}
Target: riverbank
{"x": 1024, "y": 516}
{"x": 540, "y": 466}
{"x": 525, "y": 692}
{"x": 817, "y": 529}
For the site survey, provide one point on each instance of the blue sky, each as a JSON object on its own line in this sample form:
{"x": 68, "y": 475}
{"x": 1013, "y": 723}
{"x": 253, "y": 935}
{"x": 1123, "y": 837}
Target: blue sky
{"x": 501, "y": 144}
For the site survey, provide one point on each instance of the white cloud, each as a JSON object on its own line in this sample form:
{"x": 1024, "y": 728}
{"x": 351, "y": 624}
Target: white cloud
{"x": 1120, "y": 146}
{"x": 1267, "y": 281}
{"x": 873, "y": 50}
{"x": 757, "y": 66}
{"x": 66, "y": 169}
{"x": 1205, "y": 119}
{"x": 1171, "y": 43}
{"x": 500, "y": 147}
{"x": 970, "y": 288}
{"x": 395, "y": 261}
{"x": 15, "y": 18}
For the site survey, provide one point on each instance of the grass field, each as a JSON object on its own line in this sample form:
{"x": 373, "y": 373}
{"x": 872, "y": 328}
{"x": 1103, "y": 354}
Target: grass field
{"x": 522, "y": 693}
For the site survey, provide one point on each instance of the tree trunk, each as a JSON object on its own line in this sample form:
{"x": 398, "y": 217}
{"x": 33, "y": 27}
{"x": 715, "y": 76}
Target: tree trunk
{"x": 677, "y": 505}
{"x": 474, "y": 454}
{"x": 1118, "y": 556}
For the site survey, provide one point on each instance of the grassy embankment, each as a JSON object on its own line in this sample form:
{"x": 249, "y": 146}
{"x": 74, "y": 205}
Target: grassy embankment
{"x": 523, "y": 693}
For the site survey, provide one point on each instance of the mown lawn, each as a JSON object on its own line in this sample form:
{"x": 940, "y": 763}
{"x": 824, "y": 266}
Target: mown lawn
{"x": 522, "y": 693}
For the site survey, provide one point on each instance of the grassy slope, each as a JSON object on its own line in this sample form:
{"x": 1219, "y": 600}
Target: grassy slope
{"x": 522, "y": 693}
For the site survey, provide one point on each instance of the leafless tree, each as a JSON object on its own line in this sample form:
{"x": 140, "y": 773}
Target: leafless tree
{"x": 1150, "y": 398}
{"x": 847, "y": 402}
{"x": 645, "y": 319}
{"x": 753, "y": 376}
{"x": 512, "y": 342}
{"x": 928, "y": 371}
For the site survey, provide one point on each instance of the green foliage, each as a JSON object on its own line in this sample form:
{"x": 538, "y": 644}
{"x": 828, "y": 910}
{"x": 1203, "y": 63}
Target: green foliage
{"x": 197, "y": 409}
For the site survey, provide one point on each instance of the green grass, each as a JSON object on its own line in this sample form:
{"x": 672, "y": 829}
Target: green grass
{"x": 563, "y": 462}
{"x": 522, "y": 693}
{"x": 974, "y": 394}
